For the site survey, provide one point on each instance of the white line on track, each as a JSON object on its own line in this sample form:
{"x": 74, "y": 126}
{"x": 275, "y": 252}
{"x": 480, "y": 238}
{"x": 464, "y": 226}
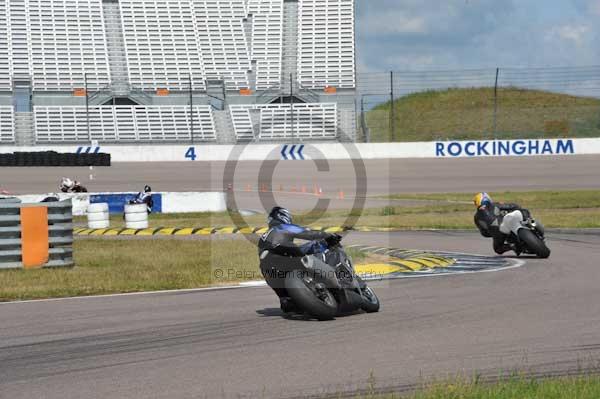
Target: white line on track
{"x": 366, "y": 249}
{"x": 516, "y": 264}
{"x": 248, "y": 284}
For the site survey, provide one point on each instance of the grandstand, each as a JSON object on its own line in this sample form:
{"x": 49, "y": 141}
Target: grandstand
{"x": 176, "y": 71}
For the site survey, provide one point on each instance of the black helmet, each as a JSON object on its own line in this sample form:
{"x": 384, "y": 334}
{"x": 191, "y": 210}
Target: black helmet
{"x": 147, "y": 189}
{"x": 280, "y": 215}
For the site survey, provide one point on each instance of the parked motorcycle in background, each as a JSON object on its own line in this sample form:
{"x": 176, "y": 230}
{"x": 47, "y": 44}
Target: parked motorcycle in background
{"x": 525, "y": 233}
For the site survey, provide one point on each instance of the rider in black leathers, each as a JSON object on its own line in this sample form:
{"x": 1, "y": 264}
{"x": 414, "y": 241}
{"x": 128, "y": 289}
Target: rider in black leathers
{"x": 488, "y": 219}
{"x": 280, "y": 255}
{"x": 144, "y": 197}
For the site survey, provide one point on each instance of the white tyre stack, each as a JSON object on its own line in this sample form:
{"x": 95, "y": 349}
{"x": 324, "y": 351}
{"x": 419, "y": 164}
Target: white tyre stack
{"x": 98, "y": 216}
{"x": 136, "y": 216}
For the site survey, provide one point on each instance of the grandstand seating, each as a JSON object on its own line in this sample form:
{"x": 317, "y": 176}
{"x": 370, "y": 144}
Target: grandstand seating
{"x": 5, "y": 83}
{"x": 18, "y": 50}
{"x": 326, "y": 44}
{"x": 133, "y": 48}
{"x": 267, "y": 27}
{"x": 123, "y": 124}
{"x": 242, "y": 122}
{"x": 66, "y": 41}
{"x": 222, "y": 41}
{"x": 7, "y": 125}
{"x": 162, "y": 50}
{"x": 58, "y": 41}
{"x": 316, "y": 121}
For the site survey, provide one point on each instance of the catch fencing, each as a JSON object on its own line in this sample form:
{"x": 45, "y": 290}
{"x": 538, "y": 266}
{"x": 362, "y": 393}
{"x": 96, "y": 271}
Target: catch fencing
{"x": 479, "y": 104}
{"x": 35, "y": 235}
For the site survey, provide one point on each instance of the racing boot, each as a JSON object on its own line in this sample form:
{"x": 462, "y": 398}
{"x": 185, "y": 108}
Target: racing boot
{"x": 517, "y": 248}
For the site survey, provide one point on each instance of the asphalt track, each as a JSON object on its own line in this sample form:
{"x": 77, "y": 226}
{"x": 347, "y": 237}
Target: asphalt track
{"x": 382, "y": 176}
{"x": 289, "y": 179}
{"x": 540, "y": 318}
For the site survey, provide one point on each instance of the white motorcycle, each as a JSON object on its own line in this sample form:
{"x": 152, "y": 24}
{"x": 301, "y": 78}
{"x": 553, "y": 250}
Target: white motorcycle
{"x": 525, "y": 233}
{"x": 71, "y": 186}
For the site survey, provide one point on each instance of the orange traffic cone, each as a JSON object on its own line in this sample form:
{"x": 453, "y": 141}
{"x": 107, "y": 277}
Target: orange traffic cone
{"x": 341, "y": 195}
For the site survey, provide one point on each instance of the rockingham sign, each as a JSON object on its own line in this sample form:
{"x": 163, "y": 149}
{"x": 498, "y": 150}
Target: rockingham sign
{"x": 497, "y": 148}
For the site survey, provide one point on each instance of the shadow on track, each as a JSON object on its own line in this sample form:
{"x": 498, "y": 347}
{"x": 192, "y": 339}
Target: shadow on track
{"x": 277, "y": 312}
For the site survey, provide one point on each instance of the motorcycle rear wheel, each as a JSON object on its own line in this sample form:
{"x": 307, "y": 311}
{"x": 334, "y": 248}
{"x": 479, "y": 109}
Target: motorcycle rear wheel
{"x": 534, "y": 243}
{"x": 303, "y": 296}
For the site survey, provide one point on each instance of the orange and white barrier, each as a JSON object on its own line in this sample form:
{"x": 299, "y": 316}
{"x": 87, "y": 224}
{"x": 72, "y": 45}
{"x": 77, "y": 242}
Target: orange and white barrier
{"x": 36, "y": 235}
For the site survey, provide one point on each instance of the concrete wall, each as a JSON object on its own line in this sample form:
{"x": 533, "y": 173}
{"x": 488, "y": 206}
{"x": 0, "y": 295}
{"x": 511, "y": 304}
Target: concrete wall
{"x": 260, "y": 152}
{"x": 169, "y": 202}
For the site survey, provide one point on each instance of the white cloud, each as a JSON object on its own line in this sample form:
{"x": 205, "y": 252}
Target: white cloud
{"x": 409, "y": 61}
{"x": 460, "y": 34}
{"x": 576, "y": 34}
{"x": 393, "y": 22}
{"x": 448, "y": 19}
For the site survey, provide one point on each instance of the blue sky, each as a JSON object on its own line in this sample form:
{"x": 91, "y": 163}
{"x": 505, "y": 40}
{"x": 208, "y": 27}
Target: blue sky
{"x": 460, "y": 34}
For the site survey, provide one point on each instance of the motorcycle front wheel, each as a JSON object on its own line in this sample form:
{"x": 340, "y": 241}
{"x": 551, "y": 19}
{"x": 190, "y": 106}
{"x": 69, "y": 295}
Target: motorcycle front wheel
{"x": 319, "y": 304}
{"x": 532, "y": 242}
{"x": 370, "y": 301}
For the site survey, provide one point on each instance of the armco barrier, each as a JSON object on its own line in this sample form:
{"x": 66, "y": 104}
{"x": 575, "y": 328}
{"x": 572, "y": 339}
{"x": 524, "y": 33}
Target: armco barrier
{"x": 35, "y": 235}
{"x": 53, "y": 158}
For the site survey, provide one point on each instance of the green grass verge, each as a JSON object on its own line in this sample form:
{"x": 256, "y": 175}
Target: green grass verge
{"x": 584, "y": 387}
{"x": 556, "y": 209}
{"x": 581, "y": 199}
{"x": 105, "y": 266}
{"x": 466, "y": 114}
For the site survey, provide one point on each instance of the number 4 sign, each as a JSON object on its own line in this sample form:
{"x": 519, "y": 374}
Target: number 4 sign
{"x": 191, "y": 154}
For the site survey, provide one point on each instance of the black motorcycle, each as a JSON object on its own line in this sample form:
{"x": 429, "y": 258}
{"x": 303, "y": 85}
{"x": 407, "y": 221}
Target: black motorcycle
{"x": 78, "y": 188}
{"x": 326, "y": 285}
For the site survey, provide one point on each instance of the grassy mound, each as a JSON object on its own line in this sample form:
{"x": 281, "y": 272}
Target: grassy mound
{"x": 466, "y": 114}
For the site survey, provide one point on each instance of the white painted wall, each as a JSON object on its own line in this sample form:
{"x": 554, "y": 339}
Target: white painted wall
{"x": 261, "y": 152}
{"x": 193, "y": 202}
{"x": 171, "y": 202}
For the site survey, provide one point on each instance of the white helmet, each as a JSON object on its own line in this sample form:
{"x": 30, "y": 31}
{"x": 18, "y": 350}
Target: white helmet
{"x": 66, "y": 183}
